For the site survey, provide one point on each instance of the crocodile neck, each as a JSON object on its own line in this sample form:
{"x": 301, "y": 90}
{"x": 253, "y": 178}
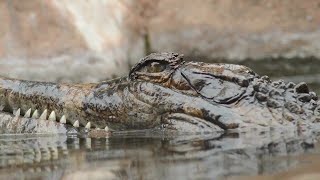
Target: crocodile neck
{"x": 271, "y": 104}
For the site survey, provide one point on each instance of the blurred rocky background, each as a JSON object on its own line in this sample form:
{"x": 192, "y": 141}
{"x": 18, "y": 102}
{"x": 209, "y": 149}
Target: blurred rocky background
{"x": 92, "y": 40}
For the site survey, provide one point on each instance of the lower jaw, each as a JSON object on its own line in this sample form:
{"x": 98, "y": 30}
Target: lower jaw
{"x": 52, "y": 117}
{"x": 187, "y": 123}
{"x": 16, "y": 124}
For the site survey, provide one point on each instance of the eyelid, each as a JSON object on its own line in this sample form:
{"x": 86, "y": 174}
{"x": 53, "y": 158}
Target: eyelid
{"x": 156, "y": 64}
{"x": 157, "y": 74}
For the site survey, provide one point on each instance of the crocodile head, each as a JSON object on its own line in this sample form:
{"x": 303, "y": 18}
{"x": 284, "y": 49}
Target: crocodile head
{"x": 163, "y": 90}
{"x": 219, "y": 83}
{"x": 246, "y": 98}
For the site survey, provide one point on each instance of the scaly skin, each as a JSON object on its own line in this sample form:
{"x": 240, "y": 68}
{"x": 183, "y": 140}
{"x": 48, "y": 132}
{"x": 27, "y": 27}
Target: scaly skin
{"x": 163, "y": 91}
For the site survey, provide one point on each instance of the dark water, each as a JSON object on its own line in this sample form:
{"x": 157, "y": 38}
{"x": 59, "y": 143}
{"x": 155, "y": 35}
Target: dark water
{"x": 153, "y": 156}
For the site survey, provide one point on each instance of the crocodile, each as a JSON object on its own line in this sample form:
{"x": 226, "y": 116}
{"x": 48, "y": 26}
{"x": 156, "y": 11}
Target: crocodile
{"x": 162, "y": 91}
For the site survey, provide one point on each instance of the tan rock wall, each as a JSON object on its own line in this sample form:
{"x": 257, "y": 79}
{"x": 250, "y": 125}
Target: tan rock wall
{"x": 237, "y": 29}
{"x": 36, "y": 29}
{"x": 89, "y": 40}
{"x": 62, "y": 40}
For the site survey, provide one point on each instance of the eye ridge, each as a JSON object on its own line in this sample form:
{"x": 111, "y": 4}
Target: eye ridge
{"x": 166, "y": 63}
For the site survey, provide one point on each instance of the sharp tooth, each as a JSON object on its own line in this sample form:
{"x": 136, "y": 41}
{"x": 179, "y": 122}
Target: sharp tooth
{"x": 63, "y": 119}
{"x": 88, "y": 125}
{"x": 35, "y": 114}
{"x": 52, "y": 116}
{"x": 106, "y": 128}
{"x": 28, "y": 113}
{"x": 17, "y": 112}
{"x": 44, "y": 115}
{"x": 76, "y": 124}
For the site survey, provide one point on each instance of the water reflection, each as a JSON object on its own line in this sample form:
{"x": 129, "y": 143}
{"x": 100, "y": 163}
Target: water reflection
{"x": 145, "y": 156}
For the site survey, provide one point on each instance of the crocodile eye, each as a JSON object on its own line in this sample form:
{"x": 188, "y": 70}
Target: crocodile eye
{"x": 153, "y": 67}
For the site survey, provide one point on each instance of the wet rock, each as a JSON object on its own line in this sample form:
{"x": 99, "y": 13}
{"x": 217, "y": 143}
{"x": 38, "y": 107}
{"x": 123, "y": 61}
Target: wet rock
{"x": 301, "y": 88}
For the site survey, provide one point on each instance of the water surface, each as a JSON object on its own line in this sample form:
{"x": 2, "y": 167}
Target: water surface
{"x": 154, "y": 155}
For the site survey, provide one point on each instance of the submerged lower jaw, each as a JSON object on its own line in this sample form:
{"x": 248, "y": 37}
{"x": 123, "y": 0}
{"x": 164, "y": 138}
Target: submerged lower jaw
{"x": 15, "y": 124}
{"x": 52, "y": 117}
{"x": 186, "y": 123}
